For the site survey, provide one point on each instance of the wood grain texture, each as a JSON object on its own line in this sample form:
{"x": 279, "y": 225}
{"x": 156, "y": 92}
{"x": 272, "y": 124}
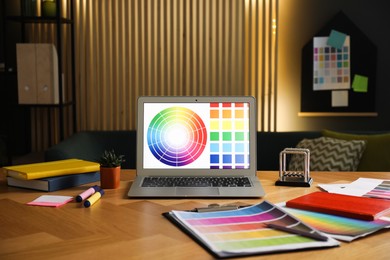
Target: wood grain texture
{"x": 128, "y": 48}
{"x": 120, "y": 228}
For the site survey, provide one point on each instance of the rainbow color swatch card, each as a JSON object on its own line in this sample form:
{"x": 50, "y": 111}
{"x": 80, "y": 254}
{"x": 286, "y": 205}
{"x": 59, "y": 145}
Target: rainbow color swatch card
{"x": 341, "y": 228}
{"x": 245, "y": 231}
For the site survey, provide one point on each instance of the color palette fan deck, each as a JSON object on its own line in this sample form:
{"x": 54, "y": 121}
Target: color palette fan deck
{"x": 382, "y": 191}
{"x": 341, "y": 228}
{"x": 244, "y": 231}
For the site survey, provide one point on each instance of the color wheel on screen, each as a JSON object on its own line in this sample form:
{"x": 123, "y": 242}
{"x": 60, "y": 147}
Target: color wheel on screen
{"x": 176, "y": 136}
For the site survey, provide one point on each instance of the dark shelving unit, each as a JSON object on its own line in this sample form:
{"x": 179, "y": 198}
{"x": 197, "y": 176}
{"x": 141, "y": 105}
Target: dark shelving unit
{"x": 9, "y": 74}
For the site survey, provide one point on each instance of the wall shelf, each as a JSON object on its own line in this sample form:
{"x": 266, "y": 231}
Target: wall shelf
{"x": 337, "y": 114}
{"x": 38, "y": 19}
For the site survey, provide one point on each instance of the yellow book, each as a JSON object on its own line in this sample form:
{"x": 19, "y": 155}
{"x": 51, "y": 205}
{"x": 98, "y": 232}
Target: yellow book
{"x": 50, "y": 169}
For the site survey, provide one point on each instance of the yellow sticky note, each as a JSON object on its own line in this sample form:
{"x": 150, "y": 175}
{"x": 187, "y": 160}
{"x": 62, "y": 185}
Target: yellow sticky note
{"x": 360, "y": 83}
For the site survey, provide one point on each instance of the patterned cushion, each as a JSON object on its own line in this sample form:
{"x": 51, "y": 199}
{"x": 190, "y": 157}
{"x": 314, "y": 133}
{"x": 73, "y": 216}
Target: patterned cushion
{"x": 330, "y": 154}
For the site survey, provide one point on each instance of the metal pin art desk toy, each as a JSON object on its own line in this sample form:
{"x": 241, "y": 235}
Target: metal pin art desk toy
{"x": 296, "y": 178}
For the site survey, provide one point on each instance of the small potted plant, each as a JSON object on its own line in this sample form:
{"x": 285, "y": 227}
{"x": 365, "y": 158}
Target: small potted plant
{"x": 110, "y": 169}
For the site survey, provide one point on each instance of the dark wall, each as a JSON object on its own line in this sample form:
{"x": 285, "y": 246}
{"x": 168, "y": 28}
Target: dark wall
{"x": 299, "y": 21}
{"x": 1, "y": 32}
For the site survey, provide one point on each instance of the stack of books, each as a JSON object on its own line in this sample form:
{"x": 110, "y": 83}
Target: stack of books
{"x": 54, "y": 175}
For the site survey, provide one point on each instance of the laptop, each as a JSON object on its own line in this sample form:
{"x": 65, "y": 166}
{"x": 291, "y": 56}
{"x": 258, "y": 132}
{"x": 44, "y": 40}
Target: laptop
{"x": 196, "y": 147}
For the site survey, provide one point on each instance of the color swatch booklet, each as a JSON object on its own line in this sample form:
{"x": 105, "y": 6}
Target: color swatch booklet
{"x": 245, "y": 231}
{"x": 345, "y": 228}
{"x": 338, "y": 227}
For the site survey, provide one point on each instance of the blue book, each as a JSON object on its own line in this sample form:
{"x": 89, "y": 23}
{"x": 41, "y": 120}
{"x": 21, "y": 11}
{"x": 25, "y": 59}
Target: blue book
{"x": 55, "y": 183}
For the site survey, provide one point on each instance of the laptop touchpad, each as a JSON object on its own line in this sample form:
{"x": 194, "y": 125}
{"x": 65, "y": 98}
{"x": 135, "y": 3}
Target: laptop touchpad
{"x": 197, "y": 191}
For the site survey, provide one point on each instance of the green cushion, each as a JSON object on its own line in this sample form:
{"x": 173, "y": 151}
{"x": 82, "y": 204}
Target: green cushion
{"x": 376, "y": 156}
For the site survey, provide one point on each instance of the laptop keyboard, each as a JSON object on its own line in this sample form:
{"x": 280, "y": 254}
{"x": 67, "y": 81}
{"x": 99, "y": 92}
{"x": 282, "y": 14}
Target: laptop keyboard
{"x": 196, "y": 182}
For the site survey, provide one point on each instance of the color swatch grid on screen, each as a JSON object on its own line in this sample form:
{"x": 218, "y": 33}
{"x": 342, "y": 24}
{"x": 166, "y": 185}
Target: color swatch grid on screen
{"x": 229, "y": 135}
{"x": 177, "y": 136}
{"x": 245, "y": 230}
{"x": 331, "y": 66}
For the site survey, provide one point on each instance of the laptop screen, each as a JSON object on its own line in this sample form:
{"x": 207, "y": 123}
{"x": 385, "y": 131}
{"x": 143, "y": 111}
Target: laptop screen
{"x": 197, "y": 133}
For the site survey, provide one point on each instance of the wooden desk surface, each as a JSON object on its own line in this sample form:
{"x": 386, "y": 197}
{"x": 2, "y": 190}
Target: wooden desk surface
{"x": 120, "y": 228}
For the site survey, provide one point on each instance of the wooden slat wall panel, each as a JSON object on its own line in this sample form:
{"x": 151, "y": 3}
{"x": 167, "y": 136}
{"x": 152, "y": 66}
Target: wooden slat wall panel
{"x": 150, "y": 47}
{"x": 128, "y": 48}
{"x": 261, "y": 59}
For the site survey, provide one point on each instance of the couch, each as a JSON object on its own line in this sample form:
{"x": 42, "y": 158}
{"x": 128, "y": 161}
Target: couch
{"x": 89, "y": 145}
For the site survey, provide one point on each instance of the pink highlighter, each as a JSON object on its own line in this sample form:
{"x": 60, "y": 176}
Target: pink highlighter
{"x": 87, "y": 193}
